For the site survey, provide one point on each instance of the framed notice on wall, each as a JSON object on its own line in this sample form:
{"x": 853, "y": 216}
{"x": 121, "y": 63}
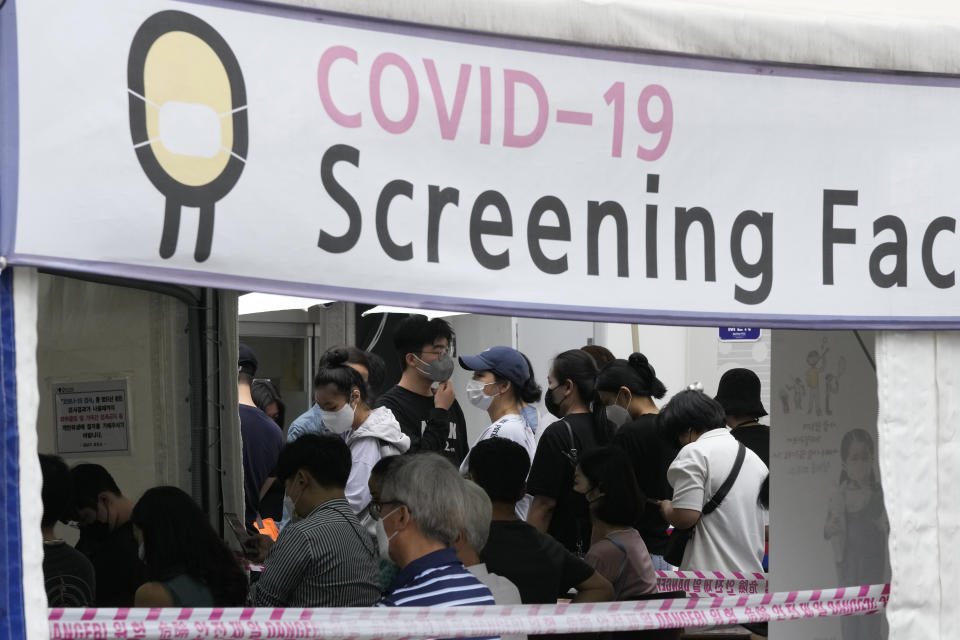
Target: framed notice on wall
{"x": 91, "y": 416}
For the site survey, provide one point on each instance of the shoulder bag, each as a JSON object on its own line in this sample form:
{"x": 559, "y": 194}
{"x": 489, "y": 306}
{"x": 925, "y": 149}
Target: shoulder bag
{"x": 677, "y": 542}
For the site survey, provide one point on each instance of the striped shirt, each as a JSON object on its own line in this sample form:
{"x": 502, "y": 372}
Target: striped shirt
{"x": 325, "y": 560}
{"x": 437, "y": 579}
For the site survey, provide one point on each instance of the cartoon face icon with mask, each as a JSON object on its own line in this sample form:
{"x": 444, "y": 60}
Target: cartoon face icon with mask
{"x": 188, "y": 118}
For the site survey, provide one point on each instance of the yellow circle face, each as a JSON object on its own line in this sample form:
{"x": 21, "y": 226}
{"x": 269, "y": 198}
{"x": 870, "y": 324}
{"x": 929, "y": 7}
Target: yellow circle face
{"x": 189, "y": 103}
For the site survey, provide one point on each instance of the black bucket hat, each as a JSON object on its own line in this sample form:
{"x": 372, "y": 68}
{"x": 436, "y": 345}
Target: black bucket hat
{"x": 739, "y": 393}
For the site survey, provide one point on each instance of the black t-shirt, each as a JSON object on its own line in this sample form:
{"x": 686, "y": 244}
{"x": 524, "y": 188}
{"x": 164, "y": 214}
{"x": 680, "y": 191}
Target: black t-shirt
{"x": 541, "y": 567}
{"x": 651, "y": 453}
{"x": 116, "y": 564}
{"x": 756, "y": 438}
{"x": 429, "y": 428}
{"x": 552, "y": 475}
{"x": 262, "y": 441}
{"x": 68, "y": 576}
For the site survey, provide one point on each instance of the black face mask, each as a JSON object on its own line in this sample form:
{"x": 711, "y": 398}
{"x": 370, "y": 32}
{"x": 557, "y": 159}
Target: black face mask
{"x": 552, "y": 405}
{"x": 94, "y": 531}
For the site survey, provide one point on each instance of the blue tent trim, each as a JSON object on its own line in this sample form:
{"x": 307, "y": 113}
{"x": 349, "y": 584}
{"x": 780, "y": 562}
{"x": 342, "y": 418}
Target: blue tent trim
{"x": 11, "y": 552}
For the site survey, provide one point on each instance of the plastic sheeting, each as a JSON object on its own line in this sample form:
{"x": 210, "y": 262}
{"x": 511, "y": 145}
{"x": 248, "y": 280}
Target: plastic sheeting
{"x": 918, "y": 385}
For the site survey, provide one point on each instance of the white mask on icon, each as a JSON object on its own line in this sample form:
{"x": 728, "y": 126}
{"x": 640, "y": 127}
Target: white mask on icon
{"x": 190, "y": 129}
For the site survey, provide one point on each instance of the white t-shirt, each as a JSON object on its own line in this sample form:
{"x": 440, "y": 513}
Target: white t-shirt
{"x": 730, "y": 538}
{"x": 512, "y": 427}
{"x": 504, "y": 592}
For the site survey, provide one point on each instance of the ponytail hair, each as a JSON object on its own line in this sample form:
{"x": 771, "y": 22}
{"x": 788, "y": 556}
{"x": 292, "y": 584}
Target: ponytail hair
{"x": 579, "y": 367}
{"x": 529, "y": 391}
{"x": 635, "y": 373}
{"x": 334, "y": 370}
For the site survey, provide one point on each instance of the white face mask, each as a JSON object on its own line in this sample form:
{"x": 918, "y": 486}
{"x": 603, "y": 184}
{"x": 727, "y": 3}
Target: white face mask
{"x": 383, "y": 540}
{"x": 341, "y": 421}
{"x": 290, "y": 506}
{"x": 477, "y": 397}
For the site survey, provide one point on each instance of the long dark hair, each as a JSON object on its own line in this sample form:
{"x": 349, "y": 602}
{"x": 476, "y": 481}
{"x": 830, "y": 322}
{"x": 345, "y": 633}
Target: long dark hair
{"x": 579, "y": 367}
{"x": 609, "y": 470}
{"x": 178, "y": 539}
{"x": 264, "y": 391}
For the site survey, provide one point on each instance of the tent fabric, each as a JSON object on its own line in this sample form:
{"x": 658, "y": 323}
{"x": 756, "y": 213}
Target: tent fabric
{"x": 918, "y": 452}
{"x": 880, "y": 34}
{"x": 231, "y": 443}
{"x": 917, "y": 420}
{"x": 11, "y": 589}
{"x": 28, "y": 398}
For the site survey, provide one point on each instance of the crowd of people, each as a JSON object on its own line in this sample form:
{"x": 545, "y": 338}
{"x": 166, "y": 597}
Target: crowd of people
{"x": 382, "y": 501}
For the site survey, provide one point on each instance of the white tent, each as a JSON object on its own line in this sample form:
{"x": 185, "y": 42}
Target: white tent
{"x": 799, "y": 45}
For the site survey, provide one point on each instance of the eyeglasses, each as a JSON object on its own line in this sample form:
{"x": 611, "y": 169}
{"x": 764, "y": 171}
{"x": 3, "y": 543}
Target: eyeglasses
{"x": 376, "y": 507}
{"x": 440, "y": 354}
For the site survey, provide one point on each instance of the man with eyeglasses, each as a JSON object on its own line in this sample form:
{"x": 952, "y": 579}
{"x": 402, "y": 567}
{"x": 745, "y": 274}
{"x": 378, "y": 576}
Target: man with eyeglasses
{"x": 431, "y": 417}
{"x": 421, "y": 508}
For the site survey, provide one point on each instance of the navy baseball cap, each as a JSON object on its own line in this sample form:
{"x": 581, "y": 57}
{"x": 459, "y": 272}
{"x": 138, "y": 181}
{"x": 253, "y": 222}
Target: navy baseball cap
{"x": 504, "y": 361}
{"x": 246, "y": 357}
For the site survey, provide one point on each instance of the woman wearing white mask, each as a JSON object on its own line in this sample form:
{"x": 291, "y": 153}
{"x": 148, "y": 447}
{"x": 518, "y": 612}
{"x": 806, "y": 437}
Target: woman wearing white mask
{"x": 502, "y": 382}
{"x": 371, "y": 434}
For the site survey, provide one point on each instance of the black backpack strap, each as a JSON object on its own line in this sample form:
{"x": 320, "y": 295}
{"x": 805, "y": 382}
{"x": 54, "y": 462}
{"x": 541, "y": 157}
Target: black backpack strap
{"x": 721, "y": 493}
{"x": 573, "y": 455}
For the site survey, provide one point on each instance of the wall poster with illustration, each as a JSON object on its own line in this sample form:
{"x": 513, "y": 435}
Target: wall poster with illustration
{"x": 828, "y": 526}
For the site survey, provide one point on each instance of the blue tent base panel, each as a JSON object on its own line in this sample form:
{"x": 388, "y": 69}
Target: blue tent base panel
{"x": 11, "y": 563}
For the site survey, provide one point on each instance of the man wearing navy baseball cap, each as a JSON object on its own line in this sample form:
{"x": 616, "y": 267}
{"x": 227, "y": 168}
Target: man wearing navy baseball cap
{"x": 502, "y": 382}
{"x": 262, "y": 439}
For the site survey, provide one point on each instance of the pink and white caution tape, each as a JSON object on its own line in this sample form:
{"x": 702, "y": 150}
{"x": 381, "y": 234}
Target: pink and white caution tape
{"x": 709, "y": 583}
{"x": 449, "y": 622}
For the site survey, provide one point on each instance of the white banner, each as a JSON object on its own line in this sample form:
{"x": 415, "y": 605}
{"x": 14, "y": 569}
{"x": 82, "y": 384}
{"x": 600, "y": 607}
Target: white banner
{"x": 292, "y": 151}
